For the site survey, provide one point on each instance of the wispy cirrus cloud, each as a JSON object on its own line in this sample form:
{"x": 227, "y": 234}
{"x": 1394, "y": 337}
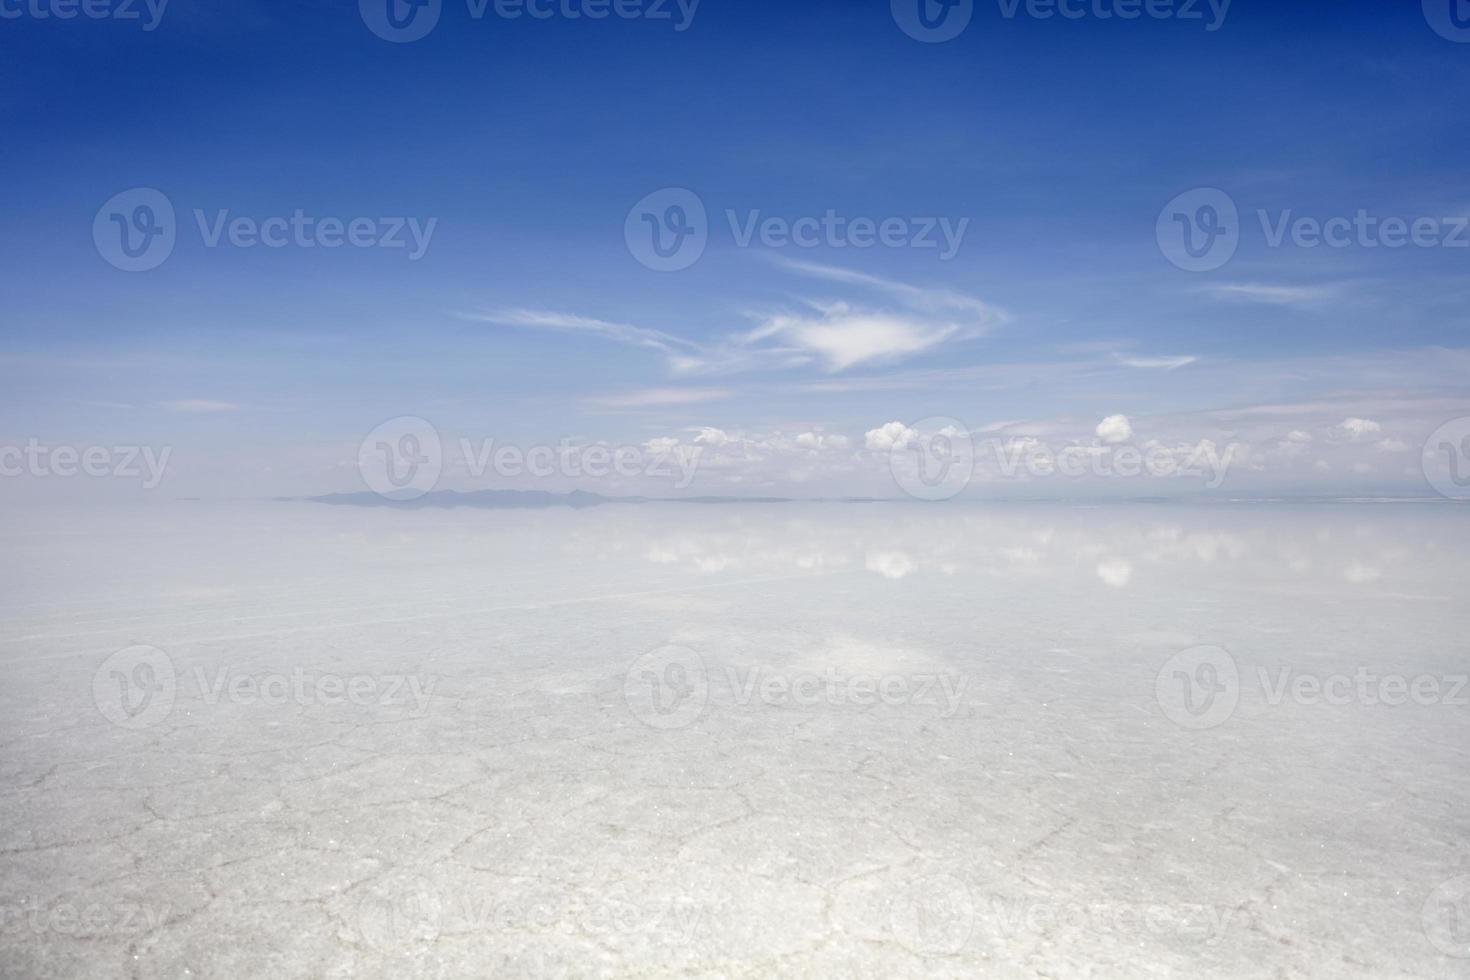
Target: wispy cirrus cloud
{"x": 1157, "y": 363}
{"x": 198, "y": 406}
{"x": 571, "y": 323}
{"x": 660, "y": 397}
{"x": 1275, "y": 295}
{"x": 833, "y": 334}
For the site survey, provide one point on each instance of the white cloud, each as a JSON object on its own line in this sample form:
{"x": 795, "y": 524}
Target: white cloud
{"x": 657, "y": 397}
{"x": 1356, "y": 428}
{"x": 1392, "y": 445}
{"x": 890, "y": 564}
{"x": 710, "y": 436}
{"x": 837, "y": 334}
{"x": 1298, "y": 436}
{"x": 199, "y": 406}
{"x": 571, "y": 323}
{"x": 1115, "y": 429}
{"x": 1117, "y": 572}
{"x": 843, "y": 337}
{"x": 1274, "y": 295}
{"x": 894, "y": 435}
{"x": 912, "y": 296}
{"x": 819, "y": 440}
{"x": 1165, "y": 363}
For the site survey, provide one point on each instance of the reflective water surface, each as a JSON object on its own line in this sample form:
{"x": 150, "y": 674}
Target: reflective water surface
{"x": 736, "y": 740}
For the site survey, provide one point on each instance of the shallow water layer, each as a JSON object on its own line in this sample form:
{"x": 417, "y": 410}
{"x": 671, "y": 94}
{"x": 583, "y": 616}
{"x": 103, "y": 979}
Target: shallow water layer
{"x": 292, "y": 740}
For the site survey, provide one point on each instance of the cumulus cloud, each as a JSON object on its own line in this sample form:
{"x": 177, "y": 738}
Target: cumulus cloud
{"x": 710, "y": 436}
{"x": 820, "y": 440}
{"x": 890, "y": 564}
{"x": 1356, "y": 428}
{"x": 894, "y": 435}
{"x": 1115, "y": 429}
{"x": 1117, "y": 572}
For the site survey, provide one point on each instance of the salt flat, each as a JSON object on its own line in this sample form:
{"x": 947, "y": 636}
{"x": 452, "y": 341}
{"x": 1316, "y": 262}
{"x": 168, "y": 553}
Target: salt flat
{"x": 288, "y": 740}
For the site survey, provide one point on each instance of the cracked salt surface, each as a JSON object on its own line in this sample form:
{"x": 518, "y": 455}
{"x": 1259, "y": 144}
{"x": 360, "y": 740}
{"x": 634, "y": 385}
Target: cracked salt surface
{"x": 801, "y": 740}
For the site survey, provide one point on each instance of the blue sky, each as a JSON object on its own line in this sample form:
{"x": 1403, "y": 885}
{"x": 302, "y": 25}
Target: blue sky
{"x": 528, "y": 319}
